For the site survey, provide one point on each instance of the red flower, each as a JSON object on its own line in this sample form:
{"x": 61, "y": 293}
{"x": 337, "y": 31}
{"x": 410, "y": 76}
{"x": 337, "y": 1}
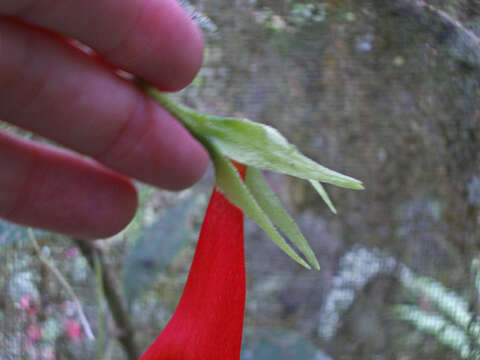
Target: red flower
{"x": 208, "y": 321}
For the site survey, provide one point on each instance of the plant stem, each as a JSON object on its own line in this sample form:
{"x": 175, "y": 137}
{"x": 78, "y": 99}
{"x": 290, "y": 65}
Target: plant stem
{"x": 101, "y": 308}
{"x": 65, "y": 284}
{"x": 116, "y": 306}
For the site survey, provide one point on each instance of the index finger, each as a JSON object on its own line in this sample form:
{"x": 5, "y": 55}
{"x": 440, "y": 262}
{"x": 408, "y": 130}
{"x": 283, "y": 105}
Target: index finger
{"x": 153, "y": 39}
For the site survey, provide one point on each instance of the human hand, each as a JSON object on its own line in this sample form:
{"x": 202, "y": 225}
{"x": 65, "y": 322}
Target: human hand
{"x": 54, "y": 90}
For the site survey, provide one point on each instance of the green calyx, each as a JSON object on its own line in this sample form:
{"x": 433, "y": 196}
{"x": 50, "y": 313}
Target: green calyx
{"x": 258, "y": 146}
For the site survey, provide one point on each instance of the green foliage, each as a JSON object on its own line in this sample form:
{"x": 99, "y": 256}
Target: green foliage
{"x": 307, "y": 13}
{"x": 434, "y": 324}
{"x": 157, "y": 246}
{"x": 451, "y": 322}
{"x": 299, "y": 16}
{"x": 447, "y": 302}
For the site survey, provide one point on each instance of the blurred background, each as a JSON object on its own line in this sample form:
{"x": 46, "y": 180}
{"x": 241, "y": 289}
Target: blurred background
{"x": 385, "y": 91}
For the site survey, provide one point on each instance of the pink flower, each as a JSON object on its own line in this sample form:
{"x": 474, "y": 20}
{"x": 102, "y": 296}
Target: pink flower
{"x": 34, "y": 334}
{"x": 28, "y": 305}
{"x": 73, "y": 330}
{"x": 71, "y": 253}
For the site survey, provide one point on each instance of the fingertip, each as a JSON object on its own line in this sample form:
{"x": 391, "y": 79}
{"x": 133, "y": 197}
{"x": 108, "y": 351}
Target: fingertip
{"x": 121, "y": 197}
{"x": 186, "y": 52}
{"x": 165, "y": 46}
{"x": 193, "y": 161}
{"x": 105, "y": 202}
{"x": 55, "y": 190}
{"x": 180, "y": 159}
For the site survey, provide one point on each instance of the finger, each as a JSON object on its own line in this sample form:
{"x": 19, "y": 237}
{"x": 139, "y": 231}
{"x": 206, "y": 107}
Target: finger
{"x": 54, "y": 90}
{"x": 54, "y": 190}
{"x": 154, "y": 39}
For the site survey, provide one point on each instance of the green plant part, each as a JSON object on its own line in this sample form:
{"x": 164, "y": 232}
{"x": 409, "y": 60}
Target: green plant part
{"x": 258, "y": 146}
{"x": 452, "y": 323}
{"x": 305, "y": 14}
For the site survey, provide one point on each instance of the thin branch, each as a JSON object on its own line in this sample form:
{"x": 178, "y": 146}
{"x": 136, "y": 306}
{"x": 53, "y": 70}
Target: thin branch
{"x": 116, "y": 306}
{"x": 65, "y": 284}
{"x": 101, "y": 307}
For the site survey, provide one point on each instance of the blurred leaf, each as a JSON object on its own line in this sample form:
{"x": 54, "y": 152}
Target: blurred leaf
{"x": 448, "y": 302}
{"x": 269, "y": 344}
{"x": 271, "y": 205}
{"x": 444, "y": 331}
{"x": 454, "y": 325}
{"x": 11, "y": 233}
{"x": 157, "y": 246}
{"x": 229, "y": 181}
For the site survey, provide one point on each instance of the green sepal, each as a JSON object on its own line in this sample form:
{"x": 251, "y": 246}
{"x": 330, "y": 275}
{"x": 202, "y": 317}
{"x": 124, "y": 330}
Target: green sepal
{"x": 253, "y": 144}
{"x": 272, "y": 207}
{"x": 230, "y": 183}
{"x": 323, "y": 194}
{"x": 263, "y": 147}
{"x": 257, "y": 146}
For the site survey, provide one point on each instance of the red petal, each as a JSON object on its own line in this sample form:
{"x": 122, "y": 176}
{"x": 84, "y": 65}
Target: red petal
{"x": 208, "y": 321}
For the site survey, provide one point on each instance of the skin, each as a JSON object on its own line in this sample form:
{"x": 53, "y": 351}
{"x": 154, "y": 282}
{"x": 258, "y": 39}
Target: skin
{"x": 76, "y": 99}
